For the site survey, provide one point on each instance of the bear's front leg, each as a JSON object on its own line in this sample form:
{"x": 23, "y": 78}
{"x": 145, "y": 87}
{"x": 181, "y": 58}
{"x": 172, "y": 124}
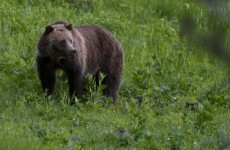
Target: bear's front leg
{"x": 46, "y": 73}
{"x": 75, "y": 81}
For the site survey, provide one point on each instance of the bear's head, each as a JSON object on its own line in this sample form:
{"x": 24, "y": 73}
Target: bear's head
{"x": 60, "y": 43}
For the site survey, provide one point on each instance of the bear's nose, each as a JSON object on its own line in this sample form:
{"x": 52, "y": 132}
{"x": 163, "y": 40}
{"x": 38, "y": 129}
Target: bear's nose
{"x": 73, "y": 51}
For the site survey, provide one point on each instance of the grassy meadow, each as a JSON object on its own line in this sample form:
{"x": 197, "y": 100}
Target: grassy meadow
{"x": 174, "y": 95}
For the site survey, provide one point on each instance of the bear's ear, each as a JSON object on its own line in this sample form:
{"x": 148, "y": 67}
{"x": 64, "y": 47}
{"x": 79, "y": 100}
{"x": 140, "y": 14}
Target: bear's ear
{"x": 69, "y": 26}
{"x": 49, "y": 29}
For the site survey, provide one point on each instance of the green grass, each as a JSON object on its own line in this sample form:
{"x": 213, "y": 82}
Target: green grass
{"x": 185, "y": 92}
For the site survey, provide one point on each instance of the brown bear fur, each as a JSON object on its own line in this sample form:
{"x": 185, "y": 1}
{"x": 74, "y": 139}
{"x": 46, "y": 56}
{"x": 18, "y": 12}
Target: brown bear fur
{"x": 79, "y": 50}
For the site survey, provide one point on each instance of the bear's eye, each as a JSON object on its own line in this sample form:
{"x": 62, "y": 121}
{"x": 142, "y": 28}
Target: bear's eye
{"x": 71, "y": 41}
{"x": 63, "y": 43}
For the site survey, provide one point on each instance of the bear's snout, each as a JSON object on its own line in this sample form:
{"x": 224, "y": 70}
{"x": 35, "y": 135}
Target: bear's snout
{"x": 73, "y": 51}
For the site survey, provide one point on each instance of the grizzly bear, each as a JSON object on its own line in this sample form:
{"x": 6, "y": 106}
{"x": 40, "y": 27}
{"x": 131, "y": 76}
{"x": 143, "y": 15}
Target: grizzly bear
{"x": 79, "y": 50}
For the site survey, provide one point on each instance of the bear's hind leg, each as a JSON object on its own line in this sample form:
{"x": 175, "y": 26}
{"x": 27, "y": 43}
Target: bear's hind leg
{"x": 112, "y": 83}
